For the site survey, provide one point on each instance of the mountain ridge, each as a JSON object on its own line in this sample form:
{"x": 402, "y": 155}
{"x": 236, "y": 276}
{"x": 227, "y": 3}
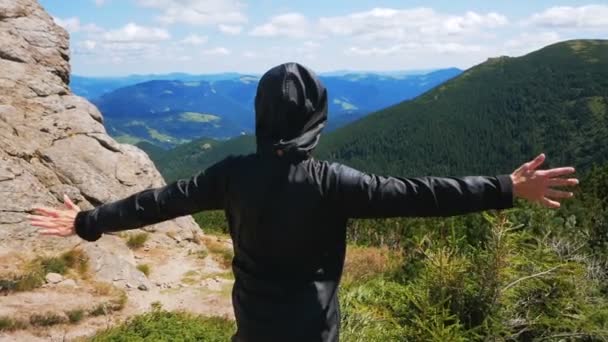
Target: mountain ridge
{"x": 464, "y": 122}
{"x": 159, "y": 105}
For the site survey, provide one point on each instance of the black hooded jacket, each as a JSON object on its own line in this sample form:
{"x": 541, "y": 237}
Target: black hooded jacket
{"x": 287, "y": 211}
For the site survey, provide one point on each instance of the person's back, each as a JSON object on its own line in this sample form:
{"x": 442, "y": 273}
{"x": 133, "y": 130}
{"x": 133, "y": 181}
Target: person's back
{"x": 287, "y": 212}
{"x": 289, "y": 250}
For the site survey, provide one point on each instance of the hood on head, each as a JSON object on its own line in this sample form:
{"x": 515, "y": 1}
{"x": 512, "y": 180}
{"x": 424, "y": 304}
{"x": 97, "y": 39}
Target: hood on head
{"x": 290, "y": 111}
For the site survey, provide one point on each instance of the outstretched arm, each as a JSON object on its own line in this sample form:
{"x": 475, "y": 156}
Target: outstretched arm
{"x": 361, "y": 195}
{"x": 203, "y": 191}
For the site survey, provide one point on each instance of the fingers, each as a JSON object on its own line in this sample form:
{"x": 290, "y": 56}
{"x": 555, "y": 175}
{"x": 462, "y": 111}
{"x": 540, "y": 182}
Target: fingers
{"x": 47, "y": 211}
{"x": 69, "y": 204}
{"x": 562, "y": 182}
{"x": 55, "y": 232}
{"x": 46, "y": 224}
{"x": 534, "y": 164}
{"x": 549, "y": 203}
{"x": 558, "y": 194}
{"x": 557, "y": 172}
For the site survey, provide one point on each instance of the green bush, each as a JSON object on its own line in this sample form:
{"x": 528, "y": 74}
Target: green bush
{"x": 10, "y": 324}
{"x": 136, "y": 241}
{"x": 75, "y": 315}
{"x": 144, "y": 268}
{"x": 46, "y": 319}
{"x": 54, "y": 265}
{"x": 160, "y": 325}
{"x": 35, "y": 271}
{"x": 213, "y": 222}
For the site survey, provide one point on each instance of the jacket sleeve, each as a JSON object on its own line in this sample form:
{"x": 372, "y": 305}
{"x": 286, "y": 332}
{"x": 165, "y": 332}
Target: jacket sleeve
{"x": 362, "y": 195}
{"x": 203, "y": 191}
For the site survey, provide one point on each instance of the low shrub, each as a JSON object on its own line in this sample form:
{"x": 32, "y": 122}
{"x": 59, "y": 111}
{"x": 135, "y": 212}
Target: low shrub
{"x": 136, "y": 241}
{"x": 75, "y": 316}
{"x": 160, "y": 325}
{"x": 219, "y": 251}
{"x": 144, "y": 268}
{"x": 11, "y": 324}
{"x": 46, "y": 319}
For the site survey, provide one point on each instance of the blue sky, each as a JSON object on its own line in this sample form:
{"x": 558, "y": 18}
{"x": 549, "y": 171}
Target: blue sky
{"x": 121, "y": 37}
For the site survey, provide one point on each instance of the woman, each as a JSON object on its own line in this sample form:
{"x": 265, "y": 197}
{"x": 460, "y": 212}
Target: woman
{"x": 287, "y": 212}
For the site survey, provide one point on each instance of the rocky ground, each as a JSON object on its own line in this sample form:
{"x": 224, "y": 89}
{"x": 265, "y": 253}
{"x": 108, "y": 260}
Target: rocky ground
{"x": 54, "y": 143}
{"x": 190, "y": 280}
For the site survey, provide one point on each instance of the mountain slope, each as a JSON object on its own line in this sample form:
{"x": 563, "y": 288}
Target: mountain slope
{"x": 170, "y": 112}
{"x": 187, "y": 159}
{"x": 491, "y": 118}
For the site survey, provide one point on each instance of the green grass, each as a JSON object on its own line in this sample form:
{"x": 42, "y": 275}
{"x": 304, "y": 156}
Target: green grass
{"x": 34, "y": 272}
{"x": 128, "y": 139}
{"x": 160, "y": 325}
{"x": 46, "y": 319}
{"x": 219, "y": 251}
{"x": 198, "y": 117}
{"x": 156, "y": 135}
{"x": 144, "y": 268}
{"x": 76, "y": 315}
{"x": 11, "y": 324}
{"x": 136, "y": 241}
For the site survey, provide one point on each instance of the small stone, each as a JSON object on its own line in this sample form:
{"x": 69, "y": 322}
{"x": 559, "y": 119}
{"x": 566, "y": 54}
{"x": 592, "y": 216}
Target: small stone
{"x": 142, "y": 287}
{"x": 53, "y": 278}
{"x": 138, "y": 257}
{"x": 129, "y": 286}
{"x": 68, "y": 283}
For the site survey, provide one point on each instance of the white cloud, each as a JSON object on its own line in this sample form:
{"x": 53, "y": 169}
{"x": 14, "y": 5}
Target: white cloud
{"x": 293, "y": 25}
{"x": 311, "y": 45}
{"x": 373, "y": 51}
{"x": 250, "y": 54}
{"x": 444, "y": 48}
{"x": 135, "y": 33}
{"x": 526, "y": 42}
{"x": 590, "y": 16}
{"x": 100, "y": 3}
{"x": 219, "y": 51}
{"x": 454, "y": 48}
{"x": 198, "y": 12}
{"x": 230, "y": 29}
{"x": 409, "y": 24}
{"x": 194, "y": 39}
{"x": 90, "y": 44}
{"x": 73, "y": 25}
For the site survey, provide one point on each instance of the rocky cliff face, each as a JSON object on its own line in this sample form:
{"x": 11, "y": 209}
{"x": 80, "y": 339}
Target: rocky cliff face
{"x": 52, "y": 142}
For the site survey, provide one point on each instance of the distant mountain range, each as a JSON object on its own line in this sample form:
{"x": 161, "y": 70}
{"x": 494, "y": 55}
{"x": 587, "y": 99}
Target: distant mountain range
{"x": 177, "y": 108}
{"x": 488, "y": 120}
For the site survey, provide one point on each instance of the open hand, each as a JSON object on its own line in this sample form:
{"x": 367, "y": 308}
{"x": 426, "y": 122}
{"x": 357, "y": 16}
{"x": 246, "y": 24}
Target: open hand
{"x": 58, "y": 222}
{"x": 536, "y": 185}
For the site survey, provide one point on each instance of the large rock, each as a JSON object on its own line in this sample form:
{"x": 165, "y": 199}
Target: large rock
{"x": 54, "y": 143}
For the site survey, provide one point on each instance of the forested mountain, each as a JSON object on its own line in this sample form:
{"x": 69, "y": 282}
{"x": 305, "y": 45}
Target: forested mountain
{"x": 491, "y": 118}
{"x": 488, "y": 120}
{"x": 187, "y": 159}
{"x": 171, "y": 112}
